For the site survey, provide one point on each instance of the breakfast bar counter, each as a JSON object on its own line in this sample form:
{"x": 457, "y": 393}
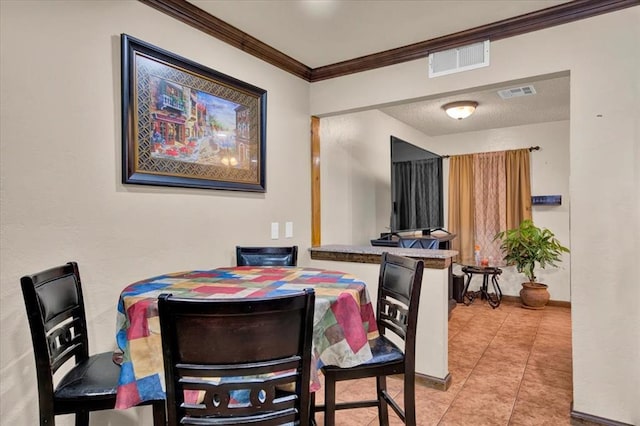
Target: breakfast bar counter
{"x": 433, "y": 259}
{"x": 432, "y": 335}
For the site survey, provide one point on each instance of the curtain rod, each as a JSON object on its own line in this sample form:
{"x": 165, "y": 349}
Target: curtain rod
{"x": 531, "y": 148}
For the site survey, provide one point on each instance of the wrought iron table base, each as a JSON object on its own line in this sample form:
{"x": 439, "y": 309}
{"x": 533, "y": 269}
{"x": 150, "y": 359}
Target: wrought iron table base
{"x": 492, "y": 298}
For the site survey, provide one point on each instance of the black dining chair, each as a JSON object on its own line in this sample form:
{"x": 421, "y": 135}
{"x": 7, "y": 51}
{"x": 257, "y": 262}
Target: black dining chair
{"x": 248, "y": 360}
{"x": 55, "y": 309}
{"x": 420, "y": 243}
{"x": 267, "y": 256}
{"x": 399, "y": 283}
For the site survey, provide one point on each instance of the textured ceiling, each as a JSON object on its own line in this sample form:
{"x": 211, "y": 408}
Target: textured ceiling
{"x": 323, "y": 32}
{"x": 550, "y": 103}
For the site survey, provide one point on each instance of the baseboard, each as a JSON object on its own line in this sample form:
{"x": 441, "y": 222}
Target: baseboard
{"x": 578, "y": 418}
{"x": 559, "y": 303}
{"x": 433, "y": 382}
{"x": 511, "y": 299}
{"x": 516, "y": 299}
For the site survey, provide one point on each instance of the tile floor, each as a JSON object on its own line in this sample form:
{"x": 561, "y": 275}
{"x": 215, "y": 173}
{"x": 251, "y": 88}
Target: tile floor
{"x": 510, "y": 366}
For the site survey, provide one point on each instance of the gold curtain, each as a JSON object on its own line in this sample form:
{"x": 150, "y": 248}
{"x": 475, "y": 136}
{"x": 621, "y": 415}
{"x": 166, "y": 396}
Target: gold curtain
{"x": 461, "y": 206}
{"x": 488, "y": 193}
{"x": 489, "y": 210}
{"x": 518, "y": 187}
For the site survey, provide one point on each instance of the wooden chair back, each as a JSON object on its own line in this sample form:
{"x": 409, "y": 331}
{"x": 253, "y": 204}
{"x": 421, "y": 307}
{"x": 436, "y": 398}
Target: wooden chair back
{"x": 237, "y": 361}
{"x": 55, "y": 310}
{"x": 57, "y": 319}
{"x": 419, "y": 243}
{"x": 267, "y": 256}
{"x": 399, "y": 285}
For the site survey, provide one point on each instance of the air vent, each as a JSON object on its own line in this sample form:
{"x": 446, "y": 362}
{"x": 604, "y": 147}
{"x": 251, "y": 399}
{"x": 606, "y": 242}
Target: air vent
{"x": 515, "y": 92}
{"x": 460, "y": 59}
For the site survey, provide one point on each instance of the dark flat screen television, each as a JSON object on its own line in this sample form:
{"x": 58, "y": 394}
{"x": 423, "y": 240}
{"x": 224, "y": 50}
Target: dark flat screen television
{"x": 416, "y": 188}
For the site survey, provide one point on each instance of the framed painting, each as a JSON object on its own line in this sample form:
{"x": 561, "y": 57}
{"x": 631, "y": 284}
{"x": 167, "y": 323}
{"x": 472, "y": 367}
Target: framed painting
{"x": 187, "y": 125}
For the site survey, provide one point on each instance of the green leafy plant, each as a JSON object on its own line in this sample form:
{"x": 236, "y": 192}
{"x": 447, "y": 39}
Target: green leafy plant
{"x": 527, "y": 245}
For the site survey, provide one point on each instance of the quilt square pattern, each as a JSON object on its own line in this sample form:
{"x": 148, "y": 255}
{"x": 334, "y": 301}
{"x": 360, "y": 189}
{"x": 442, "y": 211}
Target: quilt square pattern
{"x": 344, "y": 320}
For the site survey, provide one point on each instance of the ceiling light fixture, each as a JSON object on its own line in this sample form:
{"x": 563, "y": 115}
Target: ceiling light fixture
{"x": 461, "y": 109}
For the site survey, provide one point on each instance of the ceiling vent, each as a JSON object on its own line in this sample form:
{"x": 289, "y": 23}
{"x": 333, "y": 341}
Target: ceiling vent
{"x": 460, "y": 59}
{"x": 515, "y": 92}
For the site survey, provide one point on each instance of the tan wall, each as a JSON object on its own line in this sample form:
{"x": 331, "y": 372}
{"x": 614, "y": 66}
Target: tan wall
{"x": 62, "y": 196}
{"x": 355, "y": 174}
{"x": 602, "y": 55}
{"x": 355, "y": 166}
{"x": 60, "y": 127}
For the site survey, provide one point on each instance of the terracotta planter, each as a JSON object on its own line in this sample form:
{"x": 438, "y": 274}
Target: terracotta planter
{"x": 534, "y": 295}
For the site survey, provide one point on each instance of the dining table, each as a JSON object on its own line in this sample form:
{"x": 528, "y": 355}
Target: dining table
{"x": 344, "y": 319}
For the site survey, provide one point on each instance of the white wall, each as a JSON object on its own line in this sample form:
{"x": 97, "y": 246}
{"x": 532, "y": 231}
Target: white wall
{"x": 61, "y": 192}
{"x": 355, "y": 174}
{"x": 604, "y": 181}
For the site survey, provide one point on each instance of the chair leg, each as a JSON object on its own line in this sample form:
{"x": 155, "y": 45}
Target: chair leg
{"x": 312, "y": 408}
{"x": 329, "y": 401}
{"x": 159, "y": 413}
{"x": 383, "y": 409}
{"x": 409, "y": 400}
{"x": 46, "y": 416}
{"x": 82, "y": 418}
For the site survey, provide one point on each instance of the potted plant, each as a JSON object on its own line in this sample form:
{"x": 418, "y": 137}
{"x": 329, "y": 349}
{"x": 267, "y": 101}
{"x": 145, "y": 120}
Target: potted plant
{"x": 528, "y": 246}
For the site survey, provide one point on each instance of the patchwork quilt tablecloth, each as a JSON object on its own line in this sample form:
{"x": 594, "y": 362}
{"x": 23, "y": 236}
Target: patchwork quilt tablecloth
{"x": 344, "y": 319}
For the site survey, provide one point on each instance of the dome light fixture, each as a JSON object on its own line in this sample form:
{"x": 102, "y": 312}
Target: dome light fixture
{"x": 460, "y": 109}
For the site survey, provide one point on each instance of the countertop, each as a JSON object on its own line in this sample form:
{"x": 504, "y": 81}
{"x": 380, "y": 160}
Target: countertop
{"x": 434, "y": 259}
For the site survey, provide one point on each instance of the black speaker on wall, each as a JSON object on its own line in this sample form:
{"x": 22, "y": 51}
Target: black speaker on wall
{"x": 546, "y": 200}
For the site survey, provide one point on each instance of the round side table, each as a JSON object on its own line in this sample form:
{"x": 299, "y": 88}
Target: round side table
{"x": 487, "y": 272}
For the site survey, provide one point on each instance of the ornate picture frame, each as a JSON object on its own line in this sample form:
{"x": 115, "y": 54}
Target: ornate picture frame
{"x": 187, "y": 125}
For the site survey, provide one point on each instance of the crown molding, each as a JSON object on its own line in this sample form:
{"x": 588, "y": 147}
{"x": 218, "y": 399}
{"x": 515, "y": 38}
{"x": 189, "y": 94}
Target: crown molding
{"x": 191, "y": 15}
{"x": 564, "y": 13}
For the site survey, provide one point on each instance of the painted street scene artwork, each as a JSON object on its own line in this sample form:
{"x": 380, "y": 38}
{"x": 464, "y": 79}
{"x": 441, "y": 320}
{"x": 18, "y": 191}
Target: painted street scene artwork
{"x": 196, "y": 127}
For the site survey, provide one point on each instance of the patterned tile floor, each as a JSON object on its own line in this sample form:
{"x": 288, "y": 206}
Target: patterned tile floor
{"x": 510, "y": 366}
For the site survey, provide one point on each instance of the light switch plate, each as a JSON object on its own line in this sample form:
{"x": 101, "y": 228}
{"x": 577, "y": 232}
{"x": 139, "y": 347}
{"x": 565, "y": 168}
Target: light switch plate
{"x": 288, "y": 230}
{"x": 274, "y": 230}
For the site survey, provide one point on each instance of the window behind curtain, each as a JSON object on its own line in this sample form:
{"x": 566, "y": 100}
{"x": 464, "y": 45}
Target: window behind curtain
{"x": 490, "y": 210}
{"x": 488, "y": 193}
